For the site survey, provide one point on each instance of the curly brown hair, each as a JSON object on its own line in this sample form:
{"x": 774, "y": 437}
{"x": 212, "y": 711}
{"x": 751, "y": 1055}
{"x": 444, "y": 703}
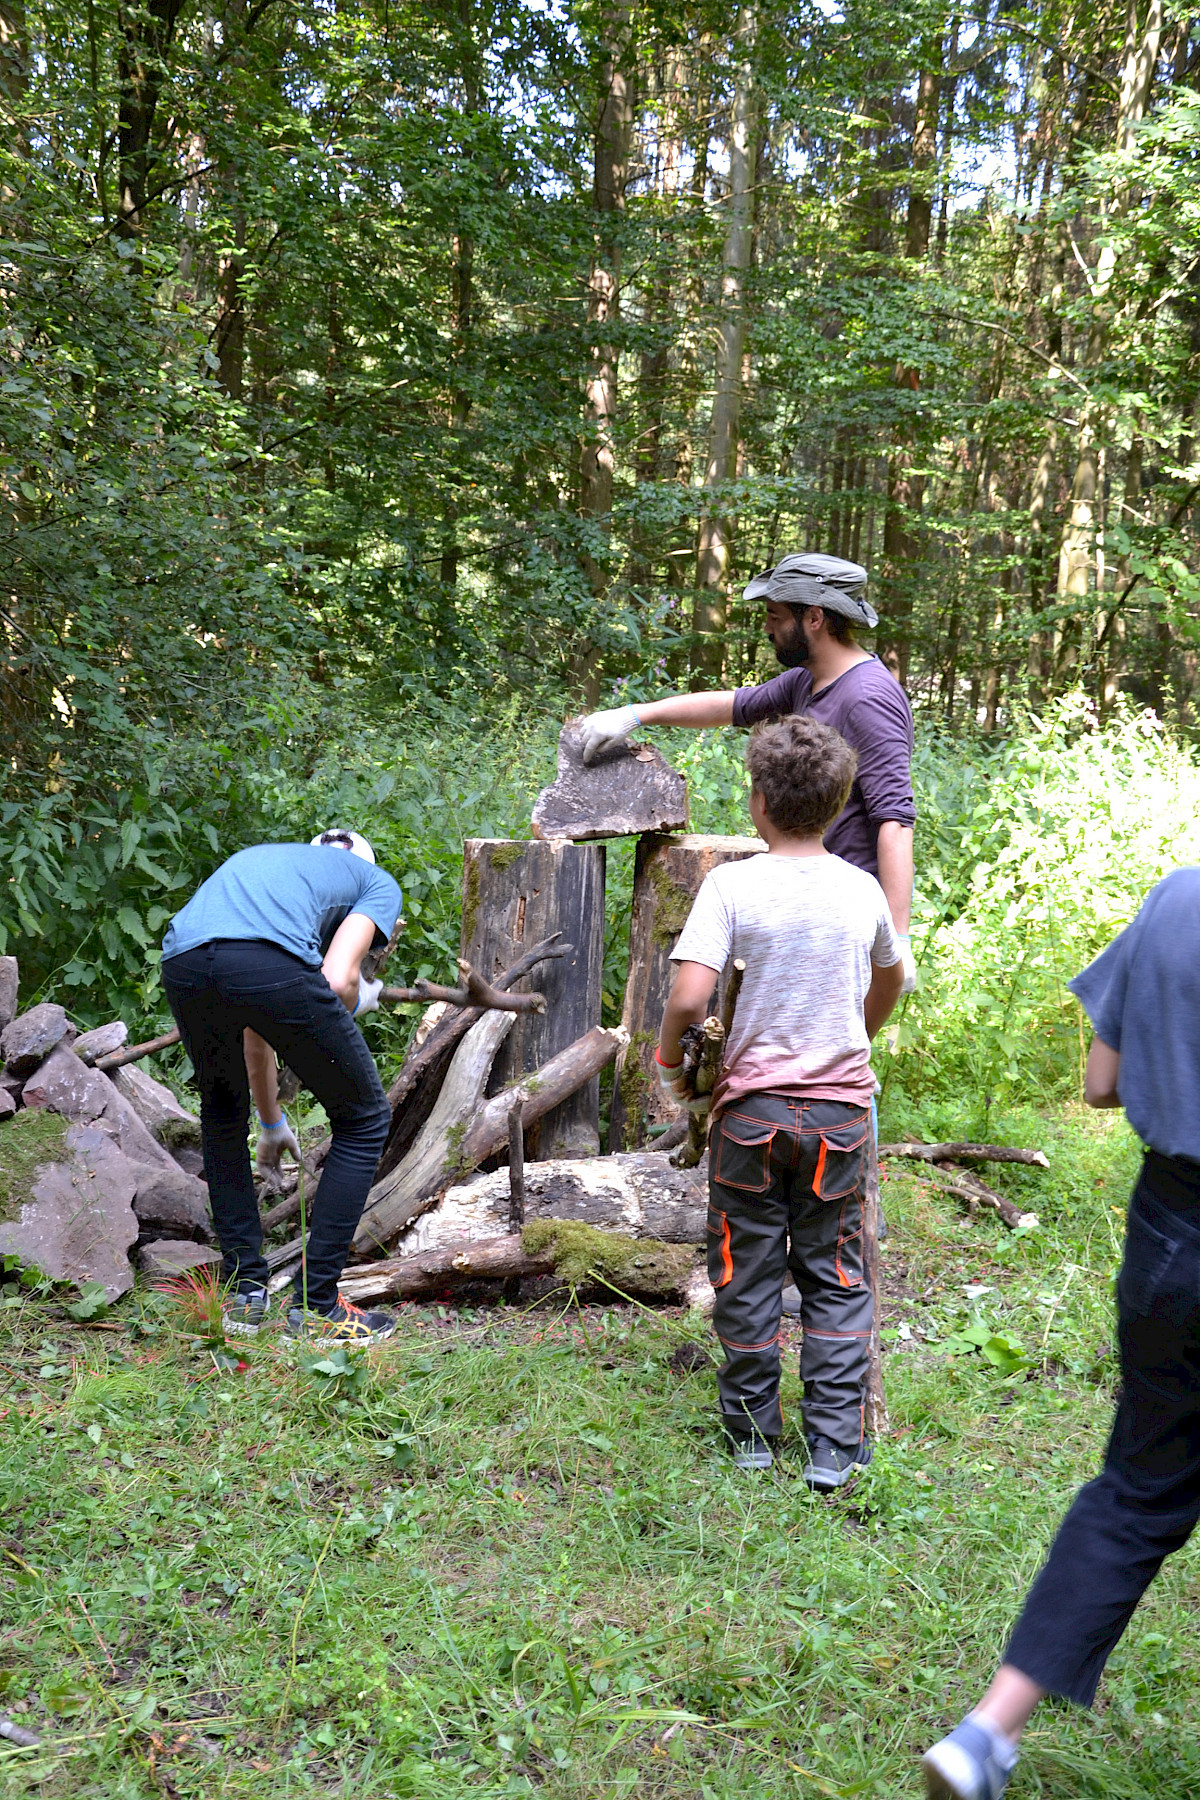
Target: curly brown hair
{"x": 803, "y": 770}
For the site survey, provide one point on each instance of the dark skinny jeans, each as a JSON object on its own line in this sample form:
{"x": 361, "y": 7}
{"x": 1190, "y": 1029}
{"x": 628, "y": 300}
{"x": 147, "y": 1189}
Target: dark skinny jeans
{"x": 215, "y": 991}
{"x": 1145, "y": 1503}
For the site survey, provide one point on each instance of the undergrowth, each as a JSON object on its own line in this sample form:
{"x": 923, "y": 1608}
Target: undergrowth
{"x": 508, "y": 1555}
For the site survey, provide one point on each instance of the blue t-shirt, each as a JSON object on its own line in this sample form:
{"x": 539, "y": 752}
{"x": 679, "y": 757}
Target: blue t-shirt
{"x": 293, "y": 895}
{"x": 1142, "y": 995}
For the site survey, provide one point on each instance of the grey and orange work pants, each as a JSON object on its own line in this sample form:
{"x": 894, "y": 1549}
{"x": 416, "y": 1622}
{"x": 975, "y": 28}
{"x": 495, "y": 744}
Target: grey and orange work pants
{"x": 787, "y": 1182}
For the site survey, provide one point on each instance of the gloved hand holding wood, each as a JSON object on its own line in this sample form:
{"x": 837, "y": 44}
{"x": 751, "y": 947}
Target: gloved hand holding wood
{"x": 603, "y": 731}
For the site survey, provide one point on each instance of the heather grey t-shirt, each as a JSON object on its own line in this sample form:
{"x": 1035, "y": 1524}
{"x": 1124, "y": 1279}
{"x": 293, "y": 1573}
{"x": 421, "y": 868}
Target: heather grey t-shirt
{"x": 1142, "y": 995}
{"x": 808, "y": 929}
{"x": 870, "y": 709}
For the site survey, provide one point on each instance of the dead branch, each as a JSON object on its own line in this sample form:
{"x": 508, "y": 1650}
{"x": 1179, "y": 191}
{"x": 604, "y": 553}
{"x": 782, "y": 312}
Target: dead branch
{"x": 475, "y": 991}
{"x": 430, "y": 1271}
{"x": 117, "y": 1059}
{"x": 997, "y": 1153}
{"x": 435, "y": 1158}
{"x": 414, "y": 1092}
{"x": 516, "y": 1168}
{"x": 976, "y": 1193}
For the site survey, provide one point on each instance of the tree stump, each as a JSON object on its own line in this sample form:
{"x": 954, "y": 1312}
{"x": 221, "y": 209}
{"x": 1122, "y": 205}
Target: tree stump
{"x": 667, "y": 876}
{"x": 514, "y": 894}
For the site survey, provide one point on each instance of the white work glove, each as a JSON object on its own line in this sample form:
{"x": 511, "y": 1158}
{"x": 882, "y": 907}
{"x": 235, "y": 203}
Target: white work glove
{"x": 605, "y": 730}
{"x": 273, "y": 1140}
{"x": 910, "y": 967}
{"x": 673, "y": 1081}
{"x": 368, "y": 996}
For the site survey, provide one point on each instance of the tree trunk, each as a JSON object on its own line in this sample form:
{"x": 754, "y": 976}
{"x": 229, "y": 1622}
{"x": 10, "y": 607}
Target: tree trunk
{"x": 667, "y": 876}
{"x": 1076, "y": 553}
{"x": 716, "y": 528}
{"x": 613, "y": 120}
{"x": 517, "y": 891}
{"x": 146, "y": 36}
{"x": 924, "y": 165}
{"x": 665, "y": 1275}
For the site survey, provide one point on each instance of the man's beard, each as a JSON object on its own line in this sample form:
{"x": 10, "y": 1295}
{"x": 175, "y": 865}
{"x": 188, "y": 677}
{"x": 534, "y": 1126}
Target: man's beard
{"x": 796, "y": 652}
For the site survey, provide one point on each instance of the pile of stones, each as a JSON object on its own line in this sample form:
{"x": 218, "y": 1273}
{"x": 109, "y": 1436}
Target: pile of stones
{"x": 100, "y": 1173}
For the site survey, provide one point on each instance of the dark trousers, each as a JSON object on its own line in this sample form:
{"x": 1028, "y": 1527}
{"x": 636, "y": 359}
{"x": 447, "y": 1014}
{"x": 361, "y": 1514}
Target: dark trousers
{"x": 786, "y": 1186}
{"x": 215, "y": 991}
{"x": 1146, "y": 1501}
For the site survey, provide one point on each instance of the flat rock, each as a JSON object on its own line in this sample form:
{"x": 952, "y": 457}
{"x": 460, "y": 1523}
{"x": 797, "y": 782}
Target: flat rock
{"x": 156, "y": 1106}
{"x": 8, "y": 1104}
{"x": 631, "y": 790}
{"x": 78, "y": 1224}
{"x": 170, "y": 1257}
{"x": 189, "y": 1160}
{"x": 80, "y": 1094}
{"x": 33, "y": 1035}
{"x": 170, "y": 1204}
{"x": 9, "y": 979}
{"x": 101, "y": 1041}
{"x": 639, "y": 1194}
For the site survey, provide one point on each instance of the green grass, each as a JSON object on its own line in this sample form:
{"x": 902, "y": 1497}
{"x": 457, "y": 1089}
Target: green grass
{"x": 512, "y": 1556}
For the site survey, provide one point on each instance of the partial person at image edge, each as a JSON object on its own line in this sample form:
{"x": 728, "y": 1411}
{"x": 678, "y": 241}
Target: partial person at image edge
{"x": 1142, "y": 996}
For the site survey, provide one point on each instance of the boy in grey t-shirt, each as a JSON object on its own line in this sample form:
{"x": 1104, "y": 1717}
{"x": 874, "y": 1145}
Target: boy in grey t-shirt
{"x": 789, "y": 1141}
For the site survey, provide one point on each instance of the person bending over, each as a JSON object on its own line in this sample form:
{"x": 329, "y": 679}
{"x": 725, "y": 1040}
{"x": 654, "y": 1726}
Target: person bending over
{"x": 267, "y": 956}
{"x": 788, "y": 1147}
{"x": 1143, "y": 998}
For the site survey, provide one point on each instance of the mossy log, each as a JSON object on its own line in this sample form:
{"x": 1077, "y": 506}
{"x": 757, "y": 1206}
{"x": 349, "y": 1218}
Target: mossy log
{"x": 637, "y": 1268}
{"x": 667, "y": 876}
{"x": 515, "y": 893}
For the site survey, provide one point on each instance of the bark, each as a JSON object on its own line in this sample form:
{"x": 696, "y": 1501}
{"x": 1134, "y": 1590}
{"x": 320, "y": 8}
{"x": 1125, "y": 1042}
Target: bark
{"x": 444, "y": 1149}
{"x": 135, "y": 1052}
{"x": 613, "y": 120}
{"x": 716, "y": 527}
{"x": 475, "y": 992}
{"x": 414, "y": 1092}
{"x": 877, "y": 1416}
{"x": 145, "y": 40}
{"x": 924, "y": 165}
{"x": 664, "y": 1277}
{"x": 667, "y": 877}
{"x": 515, "y": 890}
{"x": 997, "y": 1153}
{"x": 1076, "y": 554}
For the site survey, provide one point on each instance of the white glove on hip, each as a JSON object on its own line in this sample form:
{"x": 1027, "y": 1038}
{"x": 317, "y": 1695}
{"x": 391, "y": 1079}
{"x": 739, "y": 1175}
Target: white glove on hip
{"x": 910, "y": 967}
{"x": 673, "y": 1081}
{"x": 603, "y": 731}
{"x": 368, "y": 996}
{"x": 273, "y": 1140}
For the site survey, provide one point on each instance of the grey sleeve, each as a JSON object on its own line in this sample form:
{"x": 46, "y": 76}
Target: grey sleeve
{"x": 1102, "y": 987}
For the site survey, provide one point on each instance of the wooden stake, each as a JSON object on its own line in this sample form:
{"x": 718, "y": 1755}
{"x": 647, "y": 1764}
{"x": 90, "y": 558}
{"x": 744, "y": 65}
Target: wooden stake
{"x": 877, "y": 1419}
{"x": 516, "y": 1168}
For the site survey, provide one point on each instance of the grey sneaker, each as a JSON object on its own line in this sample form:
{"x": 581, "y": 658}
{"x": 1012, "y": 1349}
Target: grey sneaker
{"x": 973, "y": 1763}
{"x": 830, "y": 1467}
{"x": 342, "y": 1324}
{"x": 751, "y": 1451}
{"x": 246, "y": 1312}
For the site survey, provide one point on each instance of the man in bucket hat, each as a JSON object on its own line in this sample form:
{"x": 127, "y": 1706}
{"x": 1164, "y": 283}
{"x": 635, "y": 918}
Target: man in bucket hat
{"x": 814, "y": 605}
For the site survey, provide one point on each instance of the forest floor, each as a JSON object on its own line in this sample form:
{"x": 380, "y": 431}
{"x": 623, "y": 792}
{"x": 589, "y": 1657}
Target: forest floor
{"x": 505, "y": 1553}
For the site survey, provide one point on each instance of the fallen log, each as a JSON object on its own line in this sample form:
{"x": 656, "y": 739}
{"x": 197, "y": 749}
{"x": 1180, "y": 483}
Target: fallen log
{"x": 633, "y": 1268}
{"x": 414, "y": 1092}
{"x": 445, "y": 1149}
{"x": 475, "y": 991}
{"x": 997, "y": 1153}
{"x": 635, "y": 1193}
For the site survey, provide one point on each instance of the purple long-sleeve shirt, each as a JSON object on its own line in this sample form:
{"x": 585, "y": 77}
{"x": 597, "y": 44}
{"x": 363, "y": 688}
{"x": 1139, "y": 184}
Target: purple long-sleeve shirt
{"x": 870, "y": 709}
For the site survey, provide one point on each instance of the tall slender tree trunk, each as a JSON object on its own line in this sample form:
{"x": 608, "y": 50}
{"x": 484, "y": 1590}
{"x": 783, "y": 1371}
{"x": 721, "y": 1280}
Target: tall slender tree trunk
{"x": 1076, "y": 560}
{"x": 613, "y": 120}
{"x": 145, "y": 39}
{"x": 716, "y": 527}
